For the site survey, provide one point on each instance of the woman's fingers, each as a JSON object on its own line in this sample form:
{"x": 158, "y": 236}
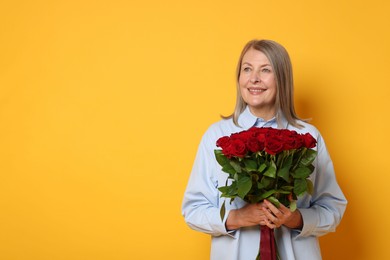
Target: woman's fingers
{"x": 275, "y": 217}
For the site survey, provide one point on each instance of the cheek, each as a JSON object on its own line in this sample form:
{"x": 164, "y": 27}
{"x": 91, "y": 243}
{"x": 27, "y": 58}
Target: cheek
{"x": 242, "y": 80}
{"x": 273, "y": 95}
{"x": 270, "y": 80}
{"x": 242, "y": 83}
{"x": 243, "y": 92}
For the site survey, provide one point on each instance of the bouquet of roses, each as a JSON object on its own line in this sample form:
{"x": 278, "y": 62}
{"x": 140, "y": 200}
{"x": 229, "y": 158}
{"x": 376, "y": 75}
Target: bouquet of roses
{"x": 266, "y": 163}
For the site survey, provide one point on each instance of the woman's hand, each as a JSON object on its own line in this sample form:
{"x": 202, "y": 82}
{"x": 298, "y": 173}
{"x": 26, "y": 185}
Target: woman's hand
{"x": 264, "y": 213}
{"x": 275, "y": 217}
{"x": 249, "y": 215}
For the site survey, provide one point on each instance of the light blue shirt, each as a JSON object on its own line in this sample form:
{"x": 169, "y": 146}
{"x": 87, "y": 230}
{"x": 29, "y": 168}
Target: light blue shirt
{"x": 321, "y": 212}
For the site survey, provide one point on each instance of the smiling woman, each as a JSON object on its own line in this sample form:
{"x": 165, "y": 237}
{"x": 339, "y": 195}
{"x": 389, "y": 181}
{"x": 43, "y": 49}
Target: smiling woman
{"x": 265, "y": 67}
{"x": 264, "y": 99}
{"x": 257, "y": 84}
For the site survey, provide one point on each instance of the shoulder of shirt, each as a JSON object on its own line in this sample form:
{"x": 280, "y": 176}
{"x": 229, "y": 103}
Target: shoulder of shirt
{"x": 220, "y": 128}
{"x": 307, "y": 128}
{"x": 222, "y": 123}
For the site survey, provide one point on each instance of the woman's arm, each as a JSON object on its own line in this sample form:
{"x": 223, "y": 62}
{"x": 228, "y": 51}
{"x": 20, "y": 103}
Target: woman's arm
{"x": 200, "y": 206}
{"x": 327, "y": 203}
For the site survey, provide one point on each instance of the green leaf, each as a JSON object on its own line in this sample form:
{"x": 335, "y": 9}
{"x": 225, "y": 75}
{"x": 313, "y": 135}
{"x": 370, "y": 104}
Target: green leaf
{"x": 271, "y": 171}
{"x": 301, "y": 172}
{"x": 228, "y": 169}
{"x": 283, "y": 191}
{"x": 229, "y": 191}
{"x": 300, "y": 186}
{"x": 288, "y": 161}
{"x": 262, "y": 167}
{"x": 311, "y": 167}
{"x": 221, "y": 158}
{"x": 232, "y": 190}
{"x": 250, "y": 165}
{"x": 236, "y": 166}
{"x": 309, "y": 157}
{"x": 244, "y": 185}
{"x": 287, "y": 188}
{"x": 274, "y": 201}
{"x": 284, "y": 173}
{"x": 222, "y": 211}
{"x": 293, "y": 205}
{"x": 267, "y": 194}
{"x": 266, "y": 181}
{"x": 310, "y": 186}
{"x": 224, "y": 162}
{"x": 223, "y": 189}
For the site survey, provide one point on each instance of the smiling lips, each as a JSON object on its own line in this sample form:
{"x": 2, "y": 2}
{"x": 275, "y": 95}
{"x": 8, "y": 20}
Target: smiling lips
{"x": 256, "y": 91}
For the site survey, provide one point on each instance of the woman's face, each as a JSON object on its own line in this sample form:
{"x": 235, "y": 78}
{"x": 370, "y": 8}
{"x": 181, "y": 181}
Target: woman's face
{"x": 257, "y": 84}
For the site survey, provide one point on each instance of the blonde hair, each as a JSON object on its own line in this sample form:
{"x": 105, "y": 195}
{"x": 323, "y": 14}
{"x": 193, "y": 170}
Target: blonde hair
{"x": 281, "y": 64}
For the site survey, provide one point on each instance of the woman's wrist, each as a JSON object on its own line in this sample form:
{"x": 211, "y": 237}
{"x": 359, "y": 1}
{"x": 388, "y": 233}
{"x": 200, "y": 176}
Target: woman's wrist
{"x": 232, "y": 221}
{"x": 296, "y": 221}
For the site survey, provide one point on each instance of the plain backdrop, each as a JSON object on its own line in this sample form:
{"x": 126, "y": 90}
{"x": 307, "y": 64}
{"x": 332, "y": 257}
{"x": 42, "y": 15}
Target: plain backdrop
{"x": 103, "y": 104}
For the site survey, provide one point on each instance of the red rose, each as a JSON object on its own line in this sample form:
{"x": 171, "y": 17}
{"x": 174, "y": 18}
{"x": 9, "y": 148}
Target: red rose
{"x": 223, "y": 142}
{"x": 256, "y": 130}
{"x": 236, "y": 148}
{"x": 309, "y": 140}
{"x": 288, "y": 133}
{"x": 289, "y": 143}
{"x": 273, "y": 145}
{"x": 272, "y": 140}
{"x": 291, "y": 139}
{"x": 271, "y": 132}
{"x": 244, "y": 135}
{"x": 254, "y": 145}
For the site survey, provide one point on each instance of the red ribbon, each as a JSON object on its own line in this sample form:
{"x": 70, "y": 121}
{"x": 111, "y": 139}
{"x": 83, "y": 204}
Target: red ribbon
{"x": 267, "y": 244}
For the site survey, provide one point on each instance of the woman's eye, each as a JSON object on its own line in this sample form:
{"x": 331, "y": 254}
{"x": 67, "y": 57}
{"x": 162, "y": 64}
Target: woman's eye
{"x": 246, "y": 69}
{"x": 266, "y": 70}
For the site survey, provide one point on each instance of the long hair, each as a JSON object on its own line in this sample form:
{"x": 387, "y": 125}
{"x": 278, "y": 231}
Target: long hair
{"x": 281, "y": 65}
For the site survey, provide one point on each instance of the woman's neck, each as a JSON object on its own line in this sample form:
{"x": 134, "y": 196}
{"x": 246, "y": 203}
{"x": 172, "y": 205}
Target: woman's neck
{"x": 265, "y": 114}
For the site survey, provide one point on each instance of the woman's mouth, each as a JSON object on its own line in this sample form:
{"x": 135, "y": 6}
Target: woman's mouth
{"x": 256, "y": 91}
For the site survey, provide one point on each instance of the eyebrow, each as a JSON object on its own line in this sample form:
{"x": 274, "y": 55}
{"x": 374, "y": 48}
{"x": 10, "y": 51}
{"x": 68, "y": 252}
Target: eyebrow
{"x": 247, "y": 63}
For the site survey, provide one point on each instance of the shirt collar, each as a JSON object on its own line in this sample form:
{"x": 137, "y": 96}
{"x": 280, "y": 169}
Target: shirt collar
{"x": 248, "y": 120}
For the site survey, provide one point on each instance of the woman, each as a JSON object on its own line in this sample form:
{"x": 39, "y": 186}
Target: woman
{"x": 264, "y": 99}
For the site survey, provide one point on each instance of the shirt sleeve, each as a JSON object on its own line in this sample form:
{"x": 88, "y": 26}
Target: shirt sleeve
{"x": 200, "y": 208}
{"x": 327, "y": 203}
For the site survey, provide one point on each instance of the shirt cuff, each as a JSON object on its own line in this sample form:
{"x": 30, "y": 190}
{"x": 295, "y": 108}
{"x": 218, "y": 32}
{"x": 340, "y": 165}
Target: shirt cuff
{"x": 309, "y": 217}
{"x": 230, "y": 233}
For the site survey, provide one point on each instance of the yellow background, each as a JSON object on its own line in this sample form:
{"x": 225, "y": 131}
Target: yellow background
{"x": 103, "y": 104}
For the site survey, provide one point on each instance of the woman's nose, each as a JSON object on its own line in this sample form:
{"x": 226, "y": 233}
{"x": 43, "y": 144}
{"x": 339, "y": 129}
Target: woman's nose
{"x": 254, "y": 78}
